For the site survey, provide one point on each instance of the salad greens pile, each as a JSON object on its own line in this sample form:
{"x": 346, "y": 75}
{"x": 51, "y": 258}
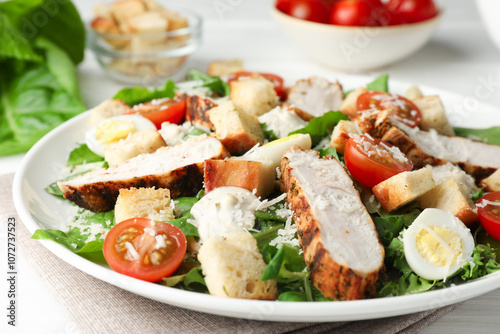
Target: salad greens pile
{"x": 284, "y": 262}
{"x": 41, "y": 41}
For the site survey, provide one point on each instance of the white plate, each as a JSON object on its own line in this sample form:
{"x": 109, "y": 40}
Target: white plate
{"x": 37, "y": 209}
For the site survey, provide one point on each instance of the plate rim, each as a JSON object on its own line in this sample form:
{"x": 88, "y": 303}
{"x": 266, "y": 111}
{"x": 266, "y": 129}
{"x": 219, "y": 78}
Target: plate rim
{"x": 257, "y": 309}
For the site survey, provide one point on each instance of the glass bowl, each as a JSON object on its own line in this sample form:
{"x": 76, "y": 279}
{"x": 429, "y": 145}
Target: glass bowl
{"x": 146, "y": 58}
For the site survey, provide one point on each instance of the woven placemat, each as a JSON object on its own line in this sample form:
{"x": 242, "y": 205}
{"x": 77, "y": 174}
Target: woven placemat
{"x": 99, "y": 307}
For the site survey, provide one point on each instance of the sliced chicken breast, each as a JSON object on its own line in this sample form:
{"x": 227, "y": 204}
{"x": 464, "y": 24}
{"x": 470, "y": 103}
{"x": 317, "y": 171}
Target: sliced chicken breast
{"x": 316, "y": 96}
{"x": 178, "y": 168}
{"x": 341, "y": 245}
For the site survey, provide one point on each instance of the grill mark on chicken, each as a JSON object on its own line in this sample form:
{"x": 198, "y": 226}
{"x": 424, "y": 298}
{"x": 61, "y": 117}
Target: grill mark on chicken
{"x": 197, "y": 111}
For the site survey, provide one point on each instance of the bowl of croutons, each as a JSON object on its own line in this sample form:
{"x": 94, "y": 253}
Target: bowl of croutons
{"x": 142, "y": 41}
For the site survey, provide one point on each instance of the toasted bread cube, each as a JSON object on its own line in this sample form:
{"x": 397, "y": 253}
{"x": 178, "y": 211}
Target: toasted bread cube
{"x": 175, "y": 20}
{"x": 143, "y": 203}
{"x": 224, "y": 67}
{"x": 492, "y": 182}
{"x": 103, "y": 10}
{"x": 143, "y": 141}
{"x": 258, "y": 176}
{"x": 236, "y": 129}
{"x": 107, "y": 109}
{"x": 413, "y": 92}
{"x": 147, "y": 22}
{"x": 348, "y": 106}
{"x": 152, "y": 5}
{"x": 233, "y": 265}
{"x": 341, "y": 134}
{"x": 403, "y": 188}
{"x": 453, "y": 197}
{"x": 433, "y": 115}
{"x": 123, "y": 9}
{"x": 255, "y": 95}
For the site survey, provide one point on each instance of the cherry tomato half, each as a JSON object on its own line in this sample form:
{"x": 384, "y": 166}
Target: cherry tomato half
{"x": 356, "y": 13}
{"x": 283, "y": 6}
{"x": 371, "y": 161}
{"x": 310, "y": 10}
{"x": 275, "y": 79}
{"x": 414, "y": 10}
{"x": 401, "y": 108}
{"x": 143, "y": 249}
{"x": 165, "y": 110}
{"x": 488, "y": 209}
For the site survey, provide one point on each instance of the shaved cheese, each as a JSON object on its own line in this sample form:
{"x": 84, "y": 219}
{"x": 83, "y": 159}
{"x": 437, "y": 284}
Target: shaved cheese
{"x": 132, "y": 254}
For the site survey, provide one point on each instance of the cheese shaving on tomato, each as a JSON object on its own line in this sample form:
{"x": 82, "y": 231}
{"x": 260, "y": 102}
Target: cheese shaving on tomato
{"x": 132, "y": 254}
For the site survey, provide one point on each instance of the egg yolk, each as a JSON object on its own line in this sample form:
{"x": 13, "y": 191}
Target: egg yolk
{"x": 113, "y": 131}
{"x": 438, "y": 245}
{"x": 282, "y": 140}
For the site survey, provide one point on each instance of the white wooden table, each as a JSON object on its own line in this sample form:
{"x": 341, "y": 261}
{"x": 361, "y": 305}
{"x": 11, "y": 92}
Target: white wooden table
{"x": 460, "y": 58}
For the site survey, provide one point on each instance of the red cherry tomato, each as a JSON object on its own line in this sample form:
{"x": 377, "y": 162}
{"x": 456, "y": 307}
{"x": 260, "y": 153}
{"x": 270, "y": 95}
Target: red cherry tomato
{"x": 283, "y": 6}
{"x": 275, "y": 79}
{"x": 356, "y": 13}
{"x": 371, "y": 161}
{"x": 310, "y": 10}
{"x": 166, "y": 110}
{"x": 414, "y": 10}
{"x": 132, "y": 250}
{"x": 488, "y": 209}
{"x": 401, "y": 108}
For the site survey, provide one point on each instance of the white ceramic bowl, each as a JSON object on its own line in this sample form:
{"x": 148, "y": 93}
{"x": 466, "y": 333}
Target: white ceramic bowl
{"x": 490, "y": 11}
{"x": 356, "y": 48}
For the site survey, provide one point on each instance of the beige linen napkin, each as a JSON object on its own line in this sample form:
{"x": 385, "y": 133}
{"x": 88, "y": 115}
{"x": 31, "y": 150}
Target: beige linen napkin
{"x": 98, "y": 307}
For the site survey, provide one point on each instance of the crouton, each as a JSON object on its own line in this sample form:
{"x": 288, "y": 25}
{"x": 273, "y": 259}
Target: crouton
{"x": 341, "y": 134}
{"x": 233, "y": 265}
{"x": 237, "y": 130}
{"x": 348, "y": 106}
{"x": 492, "y": 182}
{"x": 452, "y": 197}
{"x": 224, "y": 67}
{"x": 143, "y": 141}
{"x": 258, "y": 176}
{"x": 107, "y": 109}
{"x": 175, "y": 20}
{"x": 413, "y": 92}
{"x": 147, "y": 22}
{"x": 403, "y": 188}
{"x": 255, "y": 95}
{"x": 433, "y": 115}
{"x": 123, "y": 9}
{"x": 103, "y": 10}
{"x": 143, "y": 203}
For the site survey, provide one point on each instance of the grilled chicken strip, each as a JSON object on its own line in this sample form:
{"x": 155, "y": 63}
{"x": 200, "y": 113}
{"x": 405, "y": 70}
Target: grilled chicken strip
{"x": 476, "y": 158}
{"x": 316, "y": 96}
{"x": 178, "y": 168}
{"x": 341, "y": 245}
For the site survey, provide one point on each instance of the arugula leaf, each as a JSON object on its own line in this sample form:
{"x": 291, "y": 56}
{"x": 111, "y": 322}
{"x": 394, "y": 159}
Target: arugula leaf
{"x": 215, "y": 84}
{"x": 390, "y": 227}
{"x": 77, "y": 240}
{"x": 484, "y": 260}
{"x": 321, "y": 126}
{"x": 81, "y": 155}
{"x": 330, "y": 151}
{"x": 380, "y": 84}
{"x": 193, "y": 280}
{"x": 187, "y": 228}
{"x": 489, "y": 135}
{"x": 137, "y": 95}
{"x": 286, "y": 265}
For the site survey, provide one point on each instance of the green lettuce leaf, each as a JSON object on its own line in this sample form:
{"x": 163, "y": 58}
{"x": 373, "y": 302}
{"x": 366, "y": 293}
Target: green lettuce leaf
{"x": 319, "y": 127}
{"x": 488, "y": 135}
{"x": 215, "y": 84}
{"x": 380, "y": 84}
{"x": 137, "y": 95}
